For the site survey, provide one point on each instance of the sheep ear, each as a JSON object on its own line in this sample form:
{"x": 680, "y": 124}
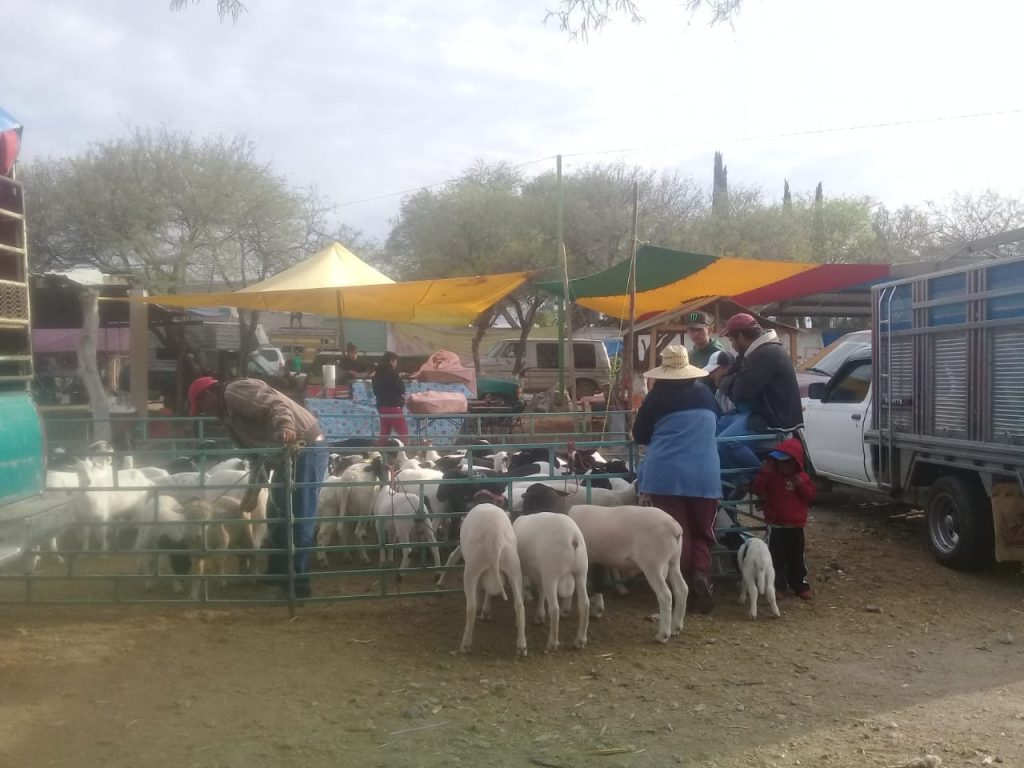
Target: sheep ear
{"x": 563, "y": 494}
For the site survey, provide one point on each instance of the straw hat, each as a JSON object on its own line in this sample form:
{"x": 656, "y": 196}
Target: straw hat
{"x": 675, "y": 364}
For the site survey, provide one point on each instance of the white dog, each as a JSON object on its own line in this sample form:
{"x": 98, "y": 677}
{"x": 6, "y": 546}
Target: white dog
{"x": 758, "y": 575}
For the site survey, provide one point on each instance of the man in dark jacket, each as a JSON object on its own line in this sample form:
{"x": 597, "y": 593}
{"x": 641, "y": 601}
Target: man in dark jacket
{"x": 258, "y": 416}
{"x": 762, "y": 383}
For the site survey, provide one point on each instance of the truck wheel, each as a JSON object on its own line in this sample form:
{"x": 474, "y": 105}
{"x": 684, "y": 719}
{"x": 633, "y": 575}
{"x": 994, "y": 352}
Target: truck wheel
{"x": 959, "y": 516}
{"x": 586, "y": 387}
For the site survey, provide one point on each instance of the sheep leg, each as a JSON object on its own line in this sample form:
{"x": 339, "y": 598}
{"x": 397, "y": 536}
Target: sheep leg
{"x": 551, "y": 598}
{"x": 539, "y": 612}
{"x": 583, "y": 609}
{"x": 471, "y": 598}
{"x": 197, "y": 570}
{"x": 620, "y": 588}
{"x": 770, "y": 594}
{"x": 680, "y": 591}
{"x": 517, "y": 602}
{"x": 751, "y": 589}
{"x": 361, "y": 539}
{"x": 453, "y": 559}
{"x": 656, "y": 578}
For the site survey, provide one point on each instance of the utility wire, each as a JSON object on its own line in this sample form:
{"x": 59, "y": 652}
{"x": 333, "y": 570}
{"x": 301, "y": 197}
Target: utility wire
{"x": 760, "y": 137}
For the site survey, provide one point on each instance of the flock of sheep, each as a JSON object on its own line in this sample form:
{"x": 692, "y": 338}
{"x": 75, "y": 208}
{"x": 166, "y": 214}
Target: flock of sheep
{"x": 528, "y": 523}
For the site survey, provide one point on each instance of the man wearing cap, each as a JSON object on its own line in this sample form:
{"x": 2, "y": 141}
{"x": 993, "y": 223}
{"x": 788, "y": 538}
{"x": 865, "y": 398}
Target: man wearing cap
{"x": 718, "y": 366}
{"x": 258, "y": 416}
{"x": 762, "y": 384}
{"x": 698, "y": 328}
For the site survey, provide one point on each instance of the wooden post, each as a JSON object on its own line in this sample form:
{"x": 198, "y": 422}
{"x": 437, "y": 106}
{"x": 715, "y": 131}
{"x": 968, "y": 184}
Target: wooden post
{"x": 88, "y": 369}
{"x": 341, "y": 323}
{"x": 138, "y": 332}
{"x": 629, "y": 347}
{"x": 563, "y": 307}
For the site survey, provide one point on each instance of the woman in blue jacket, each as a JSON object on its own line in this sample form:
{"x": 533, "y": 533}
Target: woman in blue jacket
{"x": 681, "y": 472}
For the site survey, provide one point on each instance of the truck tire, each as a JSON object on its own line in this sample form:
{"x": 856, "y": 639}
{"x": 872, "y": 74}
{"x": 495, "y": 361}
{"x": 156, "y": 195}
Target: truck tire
{"x": 586, "y": 387}
{"x": 959, "y": 516}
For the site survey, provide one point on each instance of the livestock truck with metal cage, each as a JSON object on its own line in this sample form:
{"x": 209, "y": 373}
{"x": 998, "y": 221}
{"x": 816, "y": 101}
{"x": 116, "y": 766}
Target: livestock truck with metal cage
{"x": 933, "y": 411}
{"x": 27, "y": 515}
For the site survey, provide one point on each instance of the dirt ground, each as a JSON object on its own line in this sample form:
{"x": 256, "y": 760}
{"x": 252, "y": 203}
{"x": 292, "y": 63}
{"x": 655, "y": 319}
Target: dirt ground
{"x": 896, "y": 658}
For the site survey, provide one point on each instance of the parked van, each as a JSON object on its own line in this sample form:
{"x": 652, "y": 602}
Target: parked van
{"x": 593, "y": 368}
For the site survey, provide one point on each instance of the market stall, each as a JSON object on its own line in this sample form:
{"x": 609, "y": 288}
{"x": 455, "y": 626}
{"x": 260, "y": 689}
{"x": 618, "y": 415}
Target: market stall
{"x": 347, "y": 292}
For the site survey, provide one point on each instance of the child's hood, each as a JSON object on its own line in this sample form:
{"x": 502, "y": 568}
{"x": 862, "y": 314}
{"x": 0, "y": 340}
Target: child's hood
{"x": 794, "y": 449}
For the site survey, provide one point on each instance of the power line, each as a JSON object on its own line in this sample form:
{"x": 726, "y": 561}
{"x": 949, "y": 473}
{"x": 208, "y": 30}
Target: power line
{"x": 810, "y": 132}
{"x": 737, "y": 139}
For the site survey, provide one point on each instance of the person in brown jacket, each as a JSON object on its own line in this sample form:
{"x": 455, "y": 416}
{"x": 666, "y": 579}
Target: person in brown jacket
{"x": 258, "y": 416}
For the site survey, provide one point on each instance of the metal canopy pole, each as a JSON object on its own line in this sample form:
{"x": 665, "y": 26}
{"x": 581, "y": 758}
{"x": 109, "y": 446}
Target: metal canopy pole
{"x": 629, "y": 348}
{"x": 563, "y": 306}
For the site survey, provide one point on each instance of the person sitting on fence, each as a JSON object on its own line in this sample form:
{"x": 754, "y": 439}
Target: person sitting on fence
{"x": 717, "y": 367}
{"x": 680, "y": 473}
{"x": 258, "y": 416}
{"x": 787, "y": 491}
{"x": 389, "y": 389}
{"x": 762, "y": 383}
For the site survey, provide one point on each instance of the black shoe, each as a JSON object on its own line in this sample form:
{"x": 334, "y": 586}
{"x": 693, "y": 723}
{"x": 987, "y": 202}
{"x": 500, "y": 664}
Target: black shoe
{"x": 705, "y": 597}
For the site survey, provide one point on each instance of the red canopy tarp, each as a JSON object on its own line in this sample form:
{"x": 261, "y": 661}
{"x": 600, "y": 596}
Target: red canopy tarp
{"x": 820, "y": 279}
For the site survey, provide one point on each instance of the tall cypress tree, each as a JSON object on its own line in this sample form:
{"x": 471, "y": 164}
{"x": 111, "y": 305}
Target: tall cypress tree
{"x": 818, "y": 234}
{"x": 720, "y": 189}
{"x": 787, "y": 198}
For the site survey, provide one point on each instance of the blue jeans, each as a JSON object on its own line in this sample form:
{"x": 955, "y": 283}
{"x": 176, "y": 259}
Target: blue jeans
{"x": 310, "y": 467}
{"x": 738, "y": 455}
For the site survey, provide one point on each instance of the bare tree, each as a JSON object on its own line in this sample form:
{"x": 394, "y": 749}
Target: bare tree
{"x": 225, "y": 8}
{"x": 173, "y": 211}
{"x": 581, "y": 17}
{"x": 968, "y": 216}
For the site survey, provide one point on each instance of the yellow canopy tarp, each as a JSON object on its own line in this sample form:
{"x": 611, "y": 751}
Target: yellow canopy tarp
{"x": 726, "y": 276}
{"x": 333, "y": 267}
{"x": 453, "y": 301}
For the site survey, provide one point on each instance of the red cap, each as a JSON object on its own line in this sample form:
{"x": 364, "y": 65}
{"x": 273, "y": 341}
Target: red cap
{"x": 195, "y": 389}
{"x": 739, "y": 322}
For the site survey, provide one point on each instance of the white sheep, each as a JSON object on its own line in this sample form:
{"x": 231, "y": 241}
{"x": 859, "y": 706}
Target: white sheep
{"x": 488, "y": 545}
{"x": 339, "y": 498}
{"x": 197, "y": 525}
{"x": 404, "y": 523}
{"x": 96, "y": 509}
{"x": 758, "y": 575}
{"x": 553, "y": 555}
{"x": 629, "y": 539}
{"x": 233, "y": 484}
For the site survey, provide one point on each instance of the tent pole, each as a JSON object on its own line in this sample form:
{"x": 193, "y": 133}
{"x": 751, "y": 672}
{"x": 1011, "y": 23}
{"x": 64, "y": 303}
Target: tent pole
{"x": 564, "y": 304}
{"x": 630, "y": 346}
{"x": 341, "y": 326}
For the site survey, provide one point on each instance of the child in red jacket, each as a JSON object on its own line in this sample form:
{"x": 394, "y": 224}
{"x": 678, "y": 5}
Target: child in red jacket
{"x": 787, "y": 491}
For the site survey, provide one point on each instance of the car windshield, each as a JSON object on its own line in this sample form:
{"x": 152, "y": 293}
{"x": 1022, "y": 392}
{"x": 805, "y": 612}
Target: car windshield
{"x": 831, "y": 361}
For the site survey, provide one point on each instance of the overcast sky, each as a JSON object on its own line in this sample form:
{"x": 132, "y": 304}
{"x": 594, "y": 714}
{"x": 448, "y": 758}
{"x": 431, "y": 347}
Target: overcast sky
{"x": 367, "y": 97}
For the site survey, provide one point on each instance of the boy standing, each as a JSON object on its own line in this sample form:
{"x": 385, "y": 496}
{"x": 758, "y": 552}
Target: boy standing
{"x": 787, "y": 492}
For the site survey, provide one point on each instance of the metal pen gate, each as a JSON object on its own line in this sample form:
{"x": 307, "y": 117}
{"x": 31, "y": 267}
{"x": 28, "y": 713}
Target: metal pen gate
{"x": 70, "y": 575}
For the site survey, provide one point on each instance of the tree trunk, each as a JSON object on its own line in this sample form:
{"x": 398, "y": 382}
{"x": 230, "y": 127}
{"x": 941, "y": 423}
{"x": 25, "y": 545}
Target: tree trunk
{"x": 525, "y": 320}
{"x": 482, "y": 324}
{"x": 88, "y": 367}
{"x": 246, "y": 337}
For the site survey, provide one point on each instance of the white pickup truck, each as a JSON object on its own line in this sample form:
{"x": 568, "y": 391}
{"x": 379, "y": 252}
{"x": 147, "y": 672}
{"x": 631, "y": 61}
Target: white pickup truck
{"x": 934, "y": 410}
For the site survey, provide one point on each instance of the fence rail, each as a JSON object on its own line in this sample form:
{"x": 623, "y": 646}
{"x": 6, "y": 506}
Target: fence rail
{"x": 70, "y": 574}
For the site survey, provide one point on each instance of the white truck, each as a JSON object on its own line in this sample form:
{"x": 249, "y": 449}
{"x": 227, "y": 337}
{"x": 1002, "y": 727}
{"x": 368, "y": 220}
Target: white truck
{"x": 933, "y": 412}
